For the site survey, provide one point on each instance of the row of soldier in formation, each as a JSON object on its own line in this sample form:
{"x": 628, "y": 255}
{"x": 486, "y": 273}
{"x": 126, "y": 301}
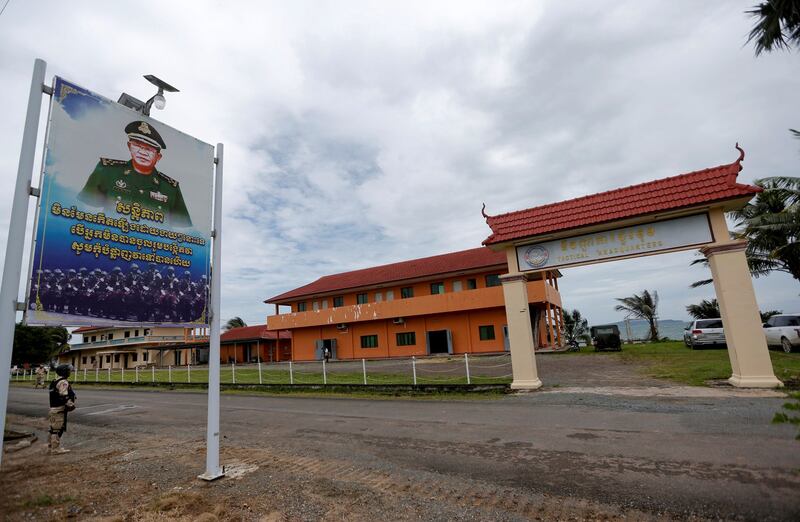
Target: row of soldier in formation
{"x": 149, "y": 295}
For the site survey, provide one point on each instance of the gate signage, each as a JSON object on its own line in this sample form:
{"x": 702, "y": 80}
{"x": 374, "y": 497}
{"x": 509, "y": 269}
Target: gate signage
{"x": 124, "y": 221}
{"x": 649, "y": 238}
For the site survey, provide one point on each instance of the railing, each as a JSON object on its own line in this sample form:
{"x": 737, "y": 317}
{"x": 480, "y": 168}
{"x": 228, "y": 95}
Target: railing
{"x": 460, "y": 369}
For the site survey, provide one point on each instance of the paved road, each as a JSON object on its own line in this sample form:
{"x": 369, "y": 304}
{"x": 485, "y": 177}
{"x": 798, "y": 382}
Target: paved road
{"x": 707, "y": 456}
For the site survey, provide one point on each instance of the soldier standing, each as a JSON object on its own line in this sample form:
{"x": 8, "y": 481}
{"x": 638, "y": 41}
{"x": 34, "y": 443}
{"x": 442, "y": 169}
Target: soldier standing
{"x": 39, "y": 377}
{"x": 137, "y": 180}
{"x": 62, "y": 400}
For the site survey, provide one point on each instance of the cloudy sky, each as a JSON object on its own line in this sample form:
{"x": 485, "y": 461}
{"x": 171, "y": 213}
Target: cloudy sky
{"x": 366, "y": 133}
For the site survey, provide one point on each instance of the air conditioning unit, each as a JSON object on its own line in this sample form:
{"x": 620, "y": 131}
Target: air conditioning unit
{"x": 398, "y": 320}
{"x": 341, "y": 326}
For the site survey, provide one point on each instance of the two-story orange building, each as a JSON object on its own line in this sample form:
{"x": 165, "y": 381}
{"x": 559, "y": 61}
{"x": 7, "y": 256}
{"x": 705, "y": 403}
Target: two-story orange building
{"x": 450, "y": 303}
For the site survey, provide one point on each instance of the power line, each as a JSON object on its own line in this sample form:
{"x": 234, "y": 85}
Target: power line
{"x": 4, "y": 7}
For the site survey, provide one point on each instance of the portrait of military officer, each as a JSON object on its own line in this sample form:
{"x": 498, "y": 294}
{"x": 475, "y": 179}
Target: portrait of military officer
{"x": 137, "y": 180}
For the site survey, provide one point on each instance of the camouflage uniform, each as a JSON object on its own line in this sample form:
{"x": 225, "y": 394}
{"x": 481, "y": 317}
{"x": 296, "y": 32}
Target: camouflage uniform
{"x": 62, "y": 400}
{"x": 39, "y": 377}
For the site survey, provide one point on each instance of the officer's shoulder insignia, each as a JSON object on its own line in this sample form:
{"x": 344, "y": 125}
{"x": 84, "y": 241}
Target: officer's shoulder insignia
{"x": 107, "y": 162}
{"x": 169, "y": 180}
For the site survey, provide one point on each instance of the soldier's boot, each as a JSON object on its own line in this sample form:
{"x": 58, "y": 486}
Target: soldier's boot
{"x": 54, "y": 448}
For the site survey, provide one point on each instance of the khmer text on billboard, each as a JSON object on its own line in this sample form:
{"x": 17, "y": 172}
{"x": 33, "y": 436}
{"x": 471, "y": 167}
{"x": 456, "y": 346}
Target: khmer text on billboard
{"x": 123, "y": 227}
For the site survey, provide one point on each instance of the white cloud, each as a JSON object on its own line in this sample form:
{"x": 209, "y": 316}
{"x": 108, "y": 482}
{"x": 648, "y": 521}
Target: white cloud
{"x": 365, "y": 133}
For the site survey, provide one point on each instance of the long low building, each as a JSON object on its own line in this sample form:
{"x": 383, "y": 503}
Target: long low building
{"x": 451, "y": 303}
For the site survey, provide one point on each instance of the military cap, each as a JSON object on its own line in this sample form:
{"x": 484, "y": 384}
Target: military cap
{"x": 143, "y": 131}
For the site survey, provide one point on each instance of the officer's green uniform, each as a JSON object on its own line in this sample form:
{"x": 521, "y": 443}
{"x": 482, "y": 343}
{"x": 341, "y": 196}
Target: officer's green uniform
{"x": 116, "y": 180}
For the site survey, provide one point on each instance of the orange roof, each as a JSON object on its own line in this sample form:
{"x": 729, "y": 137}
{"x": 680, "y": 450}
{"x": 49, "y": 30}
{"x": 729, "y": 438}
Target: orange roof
{"x": 252, "y": 332}
{"x": 711, "y": 185}
{"x": 475, "y": 258}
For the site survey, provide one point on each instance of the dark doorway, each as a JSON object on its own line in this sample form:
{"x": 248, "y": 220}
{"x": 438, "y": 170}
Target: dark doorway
{"x": 330, "y": 344}
{"x": 439, "y": 341}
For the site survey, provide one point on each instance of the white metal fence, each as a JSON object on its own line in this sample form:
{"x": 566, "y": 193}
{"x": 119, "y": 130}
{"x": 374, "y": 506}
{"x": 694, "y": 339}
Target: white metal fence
{"x": 457, "y": 369}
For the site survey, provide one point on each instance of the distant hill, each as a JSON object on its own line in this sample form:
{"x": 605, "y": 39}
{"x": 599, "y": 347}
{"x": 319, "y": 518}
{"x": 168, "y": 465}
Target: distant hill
{"x": 669, "y": 328}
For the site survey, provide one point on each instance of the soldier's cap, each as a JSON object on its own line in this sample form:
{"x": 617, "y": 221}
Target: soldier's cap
{"x": 143, "y": 131}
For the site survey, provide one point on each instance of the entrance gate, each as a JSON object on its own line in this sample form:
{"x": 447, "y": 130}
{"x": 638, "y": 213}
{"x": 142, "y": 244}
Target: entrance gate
{"x": 669, "y": 215}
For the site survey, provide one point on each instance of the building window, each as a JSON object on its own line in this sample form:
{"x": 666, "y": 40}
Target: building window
{"x": 83, "y": 361}
{"x": 486, "y": 332}
{"x": 315, "y": 305}
{"x": 378, "y": 297}
{"x": 369, "y": 341}
{"x": 110, "y": 336}
{"x": 147, "y": 331}
{"x": 108, "y": 358}
{"x": 324, "y": 304}
{"x": 493, "y": 280}
{"x": 134, "y": 356}
{"x": 456, "y": 286}
{"x": 362, "y": 298}
{"x": 127, "y": 333}
{"x": 406, "y": 292}
{"x": 301, "y": 307}
{"x": 406, "y": 339}
{"x": 472, "y": 284}
{"x": 116, "y": 357}
{"x": 86, "y": 338}
{"x": 136, "y": 333}
{"x": 144, "y": 356}
{"x": 390, "y": 295}
{"x": 338, "y": 301}
{"x": 92, "y": 360}
{"x": 437, "y": 288}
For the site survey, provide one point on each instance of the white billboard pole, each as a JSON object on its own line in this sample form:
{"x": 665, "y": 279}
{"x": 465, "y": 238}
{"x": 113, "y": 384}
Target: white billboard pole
{"x": 213, "y": 470}
{"x": 12, "y": 269}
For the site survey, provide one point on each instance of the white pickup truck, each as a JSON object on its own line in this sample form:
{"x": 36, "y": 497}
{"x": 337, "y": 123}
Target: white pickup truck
{"x": 784, "y": 331}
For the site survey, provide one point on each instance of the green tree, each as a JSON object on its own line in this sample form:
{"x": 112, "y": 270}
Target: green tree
{"x": 643, "y": 306}
{"x": 766, "y": 315}
{"x": 575, "y": 327}
{"x": 235, "y": 322}
{"x": 777, "y": 25}
{"x": 38, "y": 344}
{"x": 770, "y": 223}
{"x": 704, "y": 310}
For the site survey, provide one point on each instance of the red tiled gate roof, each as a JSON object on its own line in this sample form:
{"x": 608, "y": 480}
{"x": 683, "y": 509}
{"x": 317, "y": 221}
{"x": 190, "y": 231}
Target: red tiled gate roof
{"x": 252, "y": 332}
{"x": 711, "y": 185}
{"x": 471, "y": 259}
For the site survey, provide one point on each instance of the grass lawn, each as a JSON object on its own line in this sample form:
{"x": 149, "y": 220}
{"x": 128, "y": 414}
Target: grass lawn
{"x": 676, "y": 362}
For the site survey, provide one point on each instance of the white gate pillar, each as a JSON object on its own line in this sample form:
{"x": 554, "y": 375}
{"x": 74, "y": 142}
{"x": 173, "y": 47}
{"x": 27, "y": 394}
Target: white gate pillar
{"x": 747, "y": 346}
{"x": 520, "y": 333}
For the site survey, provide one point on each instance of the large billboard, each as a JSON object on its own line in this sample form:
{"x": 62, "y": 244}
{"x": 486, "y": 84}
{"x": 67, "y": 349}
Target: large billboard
{"x": 124, "y": 219}
{"x": 638, "y": 240}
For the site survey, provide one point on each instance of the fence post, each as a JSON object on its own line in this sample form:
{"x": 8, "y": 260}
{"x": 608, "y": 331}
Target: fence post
{"x": 291, "y": 373}
{"x": 169, "y": 373}
{"x": 466, "y": 364}
{"x": 364, "y": 370}
{"x": 122, "y": 378}
{"x": 189, "y": 373}
{"x": 259, "y": 373}
{"x": 109, "y": 374}
{"x": 414, "y": 368}
{"x": 153, "y": 373}
{"x": 84, "y": 375}
{"x": 233, "y": 373}
{"x": 324, "y": 373}
{"x": 96, "y": 374}
{"x": 137, "y": 374}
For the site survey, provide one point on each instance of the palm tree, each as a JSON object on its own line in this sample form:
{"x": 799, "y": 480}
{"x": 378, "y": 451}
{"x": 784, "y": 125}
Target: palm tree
{"x": 777, "y": 25}
{"x": 771, "y": 225}
{"x": 575, "y": 327}
{"x": 644, "y": 307}
{"x": 235, "y": 322}
{"x": 704, "y": 310}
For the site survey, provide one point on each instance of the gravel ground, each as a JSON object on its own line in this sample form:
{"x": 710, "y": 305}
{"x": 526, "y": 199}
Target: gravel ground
{"x": 540, "y": 456}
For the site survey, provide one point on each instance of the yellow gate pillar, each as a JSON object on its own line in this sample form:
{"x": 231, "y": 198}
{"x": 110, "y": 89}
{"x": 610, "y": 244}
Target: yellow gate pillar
{"x": 747, "y": 346}
{"x": 520, "y": 333}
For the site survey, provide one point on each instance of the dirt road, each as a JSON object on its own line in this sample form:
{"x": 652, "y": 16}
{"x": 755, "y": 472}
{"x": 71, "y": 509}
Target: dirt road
{"x": 558, "y": 455}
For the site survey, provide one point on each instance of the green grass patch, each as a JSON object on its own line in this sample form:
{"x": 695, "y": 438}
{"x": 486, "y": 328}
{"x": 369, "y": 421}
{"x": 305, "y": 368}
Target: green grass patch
{"x": 47, "y": 500}
{"x": 674, "y": 361}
